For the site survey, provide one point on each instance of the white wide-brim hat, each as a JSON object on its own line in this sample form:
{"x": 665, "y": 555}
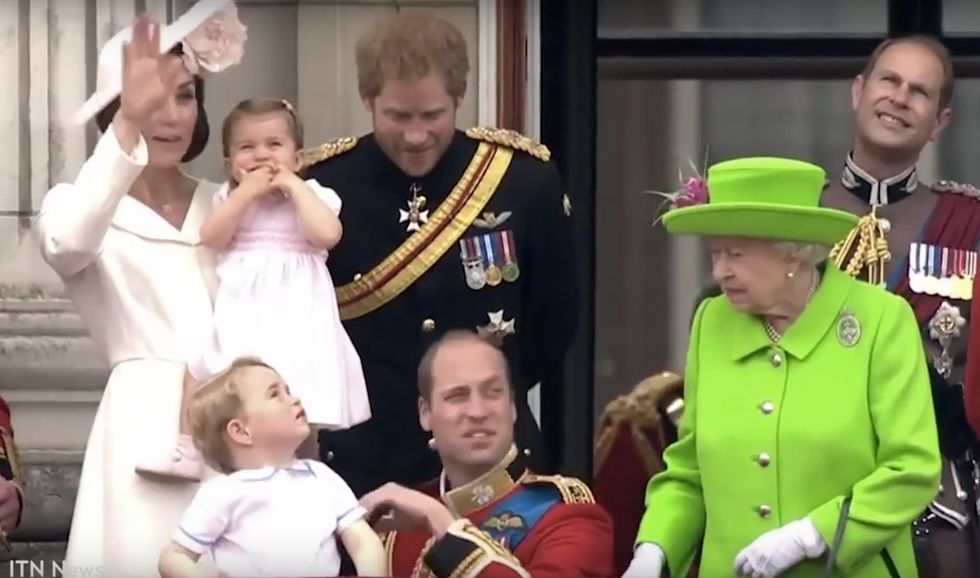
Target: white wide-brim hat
{"x": 219, "y": 38}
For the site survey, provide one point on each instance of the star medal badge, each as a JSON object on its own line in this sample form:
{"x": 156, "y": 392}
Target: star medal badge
{"x": 494, "y": 274}
{"x": 944, "y": 327}
{"x": 472, "y": 258}
{"x": 497, "y": 329}
{"x": 416, "y": 215}
{"x": 511, "y": 270}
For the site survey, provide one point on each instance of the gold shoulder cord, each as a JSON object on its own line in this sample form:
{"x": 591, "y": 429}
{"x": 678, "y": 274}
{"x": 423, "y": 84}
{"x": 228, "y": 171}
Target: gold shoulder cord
{"x": 871, "y": 252}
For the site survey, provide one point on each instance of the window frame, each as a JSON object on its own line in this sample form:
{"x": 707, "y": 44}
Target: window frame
{"x": 570, "y": 49}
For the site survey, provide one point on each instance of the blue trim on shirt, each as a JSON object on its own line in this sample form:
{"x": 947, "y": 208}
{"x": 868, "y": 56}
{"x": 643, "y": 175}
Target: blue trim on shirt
{"x": 194, "y": 539}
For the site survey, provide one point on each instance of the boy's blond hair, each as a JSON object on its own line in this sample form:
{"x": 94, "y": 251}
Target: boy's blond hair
{"x": 215, "y": 403}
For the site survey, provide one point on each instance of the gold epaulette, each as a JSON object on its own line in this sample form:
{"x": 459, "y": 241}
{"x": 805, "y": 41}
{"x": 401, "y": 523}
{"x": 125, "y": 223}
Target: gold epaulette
{"x": 955, "y": 188}
{"x": 328, "y": 150}
{"x": 510, "y": 138}
{"x": 573, "y": 490}
{"x": 388, "y": 541}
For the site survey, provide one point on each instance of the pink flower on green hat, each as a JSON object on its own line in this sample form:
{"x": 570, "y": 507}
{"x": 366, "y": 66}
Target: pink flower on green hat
{"x": 693, "y": 191}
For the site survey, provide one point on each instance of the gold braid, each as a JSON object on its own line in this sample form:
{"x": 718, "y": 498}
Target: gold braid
{"x": 871, "y": 252}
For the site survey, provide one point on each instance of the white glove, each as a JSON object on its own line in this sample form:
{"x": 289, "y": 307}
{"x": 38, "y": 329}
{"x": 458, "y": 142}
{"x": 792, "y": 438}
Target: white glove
{"x": 776, "y": 551}
{"x": 648, "y": 561}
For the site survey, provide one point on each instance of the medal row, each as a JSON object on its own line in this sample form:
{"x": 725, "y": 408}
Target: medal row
{"x": 489, "y": 259}
{"x": 942, "y": 271}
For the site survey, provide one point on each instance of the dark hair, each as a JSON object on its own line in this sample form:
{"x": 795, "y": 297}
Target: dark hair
{"x": 258, "y": 106}
{"x": 937, "y": 48}
{"x": 454, "y": 336}
{"x": 202, "y": 130}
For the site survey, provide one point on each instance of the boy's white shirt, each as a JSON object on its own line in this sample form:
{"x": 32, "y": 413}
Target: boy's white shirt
{"x": 271, "y": 521}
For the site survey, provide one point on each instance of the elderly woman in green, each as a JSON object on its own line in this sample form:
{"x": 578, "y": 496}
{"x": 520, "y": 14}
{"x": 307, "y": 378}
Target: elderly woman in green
{"x": 807, "y": 395}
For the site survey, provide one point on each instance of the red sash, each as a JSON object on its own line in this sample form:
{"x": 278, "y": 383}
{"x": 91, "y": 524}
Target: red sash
{"x": 954, "y": 223}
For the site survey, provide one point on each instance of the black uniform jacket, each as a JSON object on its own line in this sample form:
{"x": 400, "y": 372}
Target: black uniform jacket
{"x": 490, "y": 251}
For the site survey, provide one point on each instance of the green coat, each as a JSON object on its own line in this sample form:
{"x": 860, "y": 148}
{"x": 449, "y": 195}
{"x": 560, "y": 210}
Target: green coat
{"x": 772, "y": 434}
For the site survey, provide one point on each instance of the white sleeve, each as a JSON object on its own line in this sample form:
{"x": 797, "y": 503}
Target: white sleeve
{"x": 326, "y": 194}
{"x": 208, "y": 516}
{"x": 342, "y": 498}
{"x": 221, "y": 195}
{"x": 75, "y": 217}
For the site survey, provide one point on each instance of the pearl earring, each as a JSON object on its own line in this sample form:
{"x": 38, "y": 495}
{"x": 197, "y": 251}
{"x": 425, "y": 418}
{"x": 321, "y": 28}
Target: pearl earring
{"x": 431, "y": 443}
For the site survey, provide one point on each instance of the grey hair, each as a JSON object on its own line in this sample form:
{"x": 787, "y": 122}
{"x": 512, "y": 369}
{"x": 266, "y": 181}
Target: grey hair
{"x": 809, "y": 253}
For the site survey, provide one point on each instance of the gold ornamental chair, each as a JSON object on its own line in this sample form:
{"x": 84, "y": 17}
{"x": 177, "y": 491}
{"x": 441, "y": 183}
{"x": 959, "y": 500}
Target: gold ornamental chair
{"x": 634, "y": 431}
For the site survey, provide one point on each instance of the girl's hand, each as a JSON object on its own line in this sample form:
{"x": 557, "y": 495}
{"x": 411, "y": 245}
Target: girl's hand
{"x": 255, "y": 183}
{"x": 286, "y": 182}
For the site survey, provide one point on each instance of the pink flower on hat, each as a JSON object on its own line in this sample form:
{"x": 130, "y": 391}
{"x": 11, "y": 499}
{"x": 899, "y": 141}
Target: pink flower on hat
{"x": 218, "y": 43}
{"x": 693, "y": 191}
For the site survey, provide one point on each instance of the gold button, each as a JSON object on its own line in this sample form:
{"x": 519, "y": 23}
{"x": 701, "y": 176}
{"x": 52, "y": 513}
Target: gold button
{"x": 764, "y": 459}
{"x": 777, "y": 360}
{"x": 764, "y": 511}
{"x": 428, "y": 325}
{"x": 357, "y": 276}
{"x": 767, "y": 407}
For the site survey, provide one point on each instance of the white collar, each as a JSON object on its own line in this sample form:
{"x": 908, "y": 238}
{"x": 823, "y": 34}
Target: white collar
{"x": 265, "y": 473}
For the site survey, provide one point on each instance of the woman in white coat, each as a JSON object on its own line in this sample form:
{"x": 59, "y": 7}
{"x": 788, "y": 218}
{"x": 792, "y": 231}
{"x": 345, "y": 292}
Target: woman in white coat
{"x": 124, "y": 238}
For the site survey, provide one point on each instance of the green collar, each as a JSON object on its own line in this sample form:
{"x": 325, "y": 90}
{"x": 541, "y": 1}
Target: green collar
{"x": 802, "y": 337}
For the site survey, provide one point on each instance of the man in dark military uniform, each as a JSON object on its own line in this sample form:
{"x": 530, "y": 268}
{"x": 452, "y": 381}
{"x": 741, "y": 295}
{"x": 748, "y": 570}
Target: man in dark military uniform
{"x": 920, "y": 242}
{"x": 11, "y": 480}
{"x": 488, "y": 514}
{"x": 443, "y": 229}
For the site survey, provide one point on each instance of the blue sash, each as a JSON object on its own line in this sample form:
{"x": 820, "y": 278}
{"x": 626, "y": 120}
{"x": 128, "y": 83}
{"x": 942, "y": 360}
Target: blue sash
{"x": 513, "y": 518}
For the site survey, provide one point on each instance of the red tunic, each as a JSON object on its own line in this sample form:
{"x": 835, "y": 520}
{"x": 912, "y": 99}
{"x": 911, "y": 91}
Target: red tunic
{"x": 971, "y": 378}
{"x": 9, "y": 457}
{"x": 511, "y": 526}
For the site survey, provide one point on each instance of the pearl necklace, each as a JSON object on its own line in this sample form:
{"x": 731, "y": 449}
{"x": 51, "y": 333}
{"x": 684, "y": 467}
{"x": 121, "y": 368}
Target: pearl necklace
{"x": 771, "y": 331}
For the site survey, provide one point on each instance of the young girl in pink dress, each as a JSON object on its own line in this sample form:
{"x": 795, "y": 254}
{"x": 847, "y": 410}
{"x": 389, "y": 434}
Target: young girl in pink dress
{"x": 275, "y": 297}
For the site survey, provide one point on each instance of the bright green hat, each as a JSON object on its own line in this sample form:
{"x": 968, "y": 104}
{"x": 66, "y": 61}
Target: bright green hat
{"x": 763, "y": 197}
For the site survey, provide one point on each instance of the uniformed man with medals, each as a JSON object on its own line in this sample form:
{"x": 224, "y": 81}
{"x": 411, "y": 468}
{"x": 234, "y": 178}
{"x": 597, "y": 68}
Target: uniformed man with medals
{"x": 919, "y": 241}
{"x": 443, "y": 229}
{"x": 488, "y": 514}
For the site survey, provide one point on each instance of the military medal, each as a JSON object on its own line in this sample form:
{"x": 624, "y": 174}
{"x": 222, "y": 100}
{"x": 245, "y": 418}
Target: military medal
{"x": 494, "y": 275}
{"x": 945, "y": 285}
{"x": 930, "y": 282}
{"x": 415, "y": 215}
{"x": 469, "y": 254}
{"x": 958, "y": 272}
{"x": 969, "y": 274}
{"x": 916, "y": 263}
{"x": 511, "y": 270}
{"x": 965, "y": 273}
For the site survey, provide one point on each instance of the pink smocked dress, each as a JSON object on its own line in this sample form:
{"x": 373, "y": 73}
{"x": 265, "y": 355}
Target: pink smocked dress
{"x": 276, "y": 301}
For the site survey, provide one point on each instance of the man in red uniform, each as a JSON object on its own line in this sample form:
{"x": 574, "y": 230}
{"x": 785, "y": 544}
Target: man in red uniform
{"x": 11, "y": 482}
{"x": 920, "y": 242}
{"x": 487, "y": 515}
